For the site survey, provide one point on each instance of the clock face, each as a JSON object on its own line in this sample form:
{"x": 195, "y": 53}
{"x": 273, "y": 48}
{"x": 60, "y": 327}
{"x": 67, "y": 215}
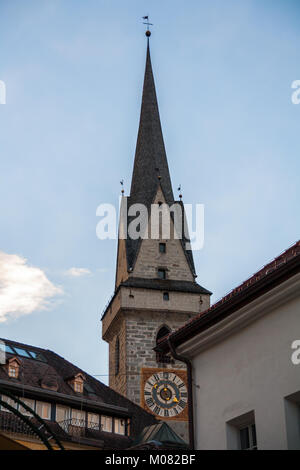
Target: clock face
{"x": 165, "y": 394}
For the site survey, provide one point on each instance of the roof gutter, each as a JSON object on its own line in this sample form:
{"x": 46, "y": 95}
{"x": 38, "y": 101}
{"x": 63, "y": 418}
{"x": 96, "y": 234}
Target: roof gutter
{"x": 188, "y": 363}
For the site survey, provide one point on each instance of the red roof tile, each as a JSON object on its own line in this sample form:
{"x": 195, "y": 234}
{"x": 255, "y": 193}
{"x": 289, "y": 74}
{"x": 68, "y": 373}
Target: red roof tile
{"x": 286, "y": 258}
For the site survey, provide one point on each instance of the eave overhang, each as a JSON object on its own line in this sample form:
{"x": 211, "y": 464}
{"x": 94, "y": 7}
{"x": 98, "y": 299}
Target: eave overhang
{"x": 220, "y": 311}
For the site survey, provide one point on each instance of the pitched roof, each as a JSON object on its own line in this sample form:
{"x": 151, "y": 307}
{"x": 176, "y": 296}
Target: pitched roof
{"x": 165, "y": 285}
{"x": 150, "y": 168}
{"x": 286, "y": 265}
{"x": 50, "y": 367}
{"x": 150, "y": 156}
{"x": 161, "y": 434}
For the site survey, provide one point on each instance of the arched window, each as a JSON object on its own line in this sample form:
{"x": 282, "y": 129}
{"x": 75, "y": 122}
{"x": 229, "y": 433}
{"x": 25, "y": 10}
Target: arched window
{"x": 117, "y": 356}
{"x": 163, "y": 331}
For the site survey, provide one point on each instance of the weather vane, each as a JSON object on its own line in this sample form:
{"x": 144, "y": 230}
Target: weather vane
{"x": 148, "y": 32}
{"x": 122, "y": 186}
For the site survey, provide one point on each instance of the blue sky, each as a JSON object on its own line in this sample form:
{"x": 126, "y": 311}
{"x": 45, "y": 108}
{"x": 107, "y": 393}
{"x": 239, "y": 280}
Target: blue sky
{"x": 73, "y": 72}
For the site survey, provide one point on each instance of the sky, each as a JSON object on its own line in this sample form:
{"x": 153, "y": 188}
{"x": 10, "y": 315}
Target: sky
{"x": 73, "y": 72}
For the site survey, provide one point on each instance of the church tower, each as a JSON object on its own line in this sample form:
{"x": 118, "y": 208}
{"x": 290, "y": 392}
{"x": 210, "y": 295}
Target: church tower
{"x": 155, "y": 288}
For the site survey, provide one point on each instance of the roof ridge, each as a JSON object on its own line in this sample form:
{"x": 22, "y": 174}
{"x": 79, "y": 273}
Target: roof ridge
{"x": 23, "y": 345}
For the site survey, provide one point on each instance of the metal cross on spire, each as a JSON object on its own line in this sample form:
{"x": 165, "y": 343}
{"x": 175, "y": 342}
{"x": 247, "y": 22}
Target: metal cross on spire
{"x": 148, "y": 32}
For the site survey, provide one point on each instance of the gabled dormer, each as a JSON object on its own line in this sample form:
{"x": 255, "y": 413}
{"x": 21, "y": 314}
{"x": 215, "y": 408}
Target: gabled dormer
{"x": 12, "y": 367}
{"x": 77, "y": 382}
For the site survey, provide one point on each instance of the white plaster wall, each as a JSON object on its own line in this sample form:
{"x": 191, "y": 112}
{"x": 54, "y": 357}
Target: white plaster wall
{"x": 249, "y": 370}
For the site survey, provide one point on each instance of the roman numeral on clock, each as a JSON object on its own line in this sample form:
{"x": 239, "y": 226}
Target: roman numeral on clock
{"x": 166, "y": 413}
{"x": 181, "y": 404}
{"x": 156, "y": 410}
{"x": 150, "y": 402}
{"x": 149, "y": 393}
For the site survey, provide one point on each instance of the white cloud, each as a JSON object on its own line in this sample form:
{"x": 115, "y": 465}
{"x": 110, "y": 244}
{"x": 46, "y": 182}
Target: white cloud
{"x": 78, "y": 272}
{"x": 23, "y": 288}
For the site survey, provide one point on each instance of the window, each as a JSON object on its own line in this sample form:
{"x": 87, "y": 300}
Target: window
{"x": 9, "y": 401}
{"x": 78, "y": 387}
{"x": 13, "y": 367}
{"x": 63, "y": 413}
{"x": 117, "y": 356}
{"x": 166, "y": 295}
{"x": 248, "y": 438}
{"x": 162, "y": 248}
{"x": 37, "y": 356}
{"x": 241, "y": 432}
{"x": 162, "y": 332}
{"x": 8, "y": 349}
{"x": 29, "y": 403}
{"x": 12, "y": 371}
{"x": 21, "y": 352}
{"x": 161, "y": 273}
{"x": 77, "y": 382}
{"x": 93, "y": 421}
{"x": 120, "y": 426}
{"x": 43, "y": 409}
{"x": 106, "y": 423}
{"x": 78, "y": 418}
{"x": 292, "y": 419}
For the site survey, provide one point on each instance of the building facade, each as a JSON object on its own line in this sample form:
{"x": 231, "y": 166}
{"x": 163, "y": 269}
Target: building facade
{"x": 155, "y": 289}
{"x": 245, "y": 354}
{"x": 79, "y": 410}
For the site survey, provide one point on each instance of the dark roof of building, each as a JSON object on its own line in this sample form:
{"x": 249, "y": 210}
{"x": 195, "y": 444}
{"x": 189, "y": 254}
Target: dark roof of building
{"x": 150, "y": 168}
{"x": 286, "y": 265}
{"x": 165, "y": 285}
{"x": 160, "y": 434}
{"x": 52, "y": 371}
{"x": 150, "y": 157}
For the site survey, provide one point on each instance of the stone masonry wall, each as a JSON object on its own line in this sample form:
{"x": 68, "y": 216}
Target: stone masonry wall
{"x": 141, "y": 331}
{"x": 174, "y": 260}
{"x": 118, "y": 330}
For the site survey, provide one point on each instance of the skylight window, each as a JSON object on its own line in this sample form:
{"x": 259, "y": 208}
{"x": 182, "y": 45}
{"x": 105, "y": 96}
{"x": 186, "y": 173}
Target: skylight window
{"x": 38, "y": 356}
{"x": 33, "y": 354}
{"x": 22, "y": 352}
{"x": 10, "y": 349}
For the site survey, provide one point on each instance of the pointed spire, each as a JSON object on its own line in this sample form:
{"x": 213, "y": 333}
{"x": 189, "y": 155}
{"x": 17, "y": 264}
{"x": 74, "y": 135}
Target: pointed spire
{"x": 150, "y": 163}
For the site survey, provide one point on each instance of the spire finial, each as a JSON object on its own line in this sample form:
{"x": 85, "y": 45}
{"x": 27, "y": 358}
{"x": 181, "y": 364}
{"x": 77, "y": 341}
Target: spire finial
{"x": 148, "y": 32}
{"x": 179, "y": 190}
{"x": 122, "y": 187}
